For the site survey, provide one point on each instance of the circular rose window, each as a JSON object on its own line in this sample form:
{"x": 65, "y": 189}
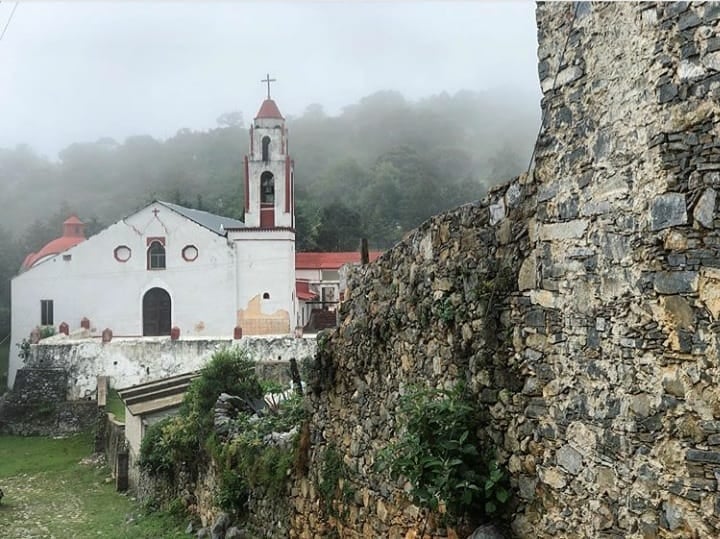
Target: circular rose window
{"x": 189, "y": 253}
{"x": 122, "y": 253}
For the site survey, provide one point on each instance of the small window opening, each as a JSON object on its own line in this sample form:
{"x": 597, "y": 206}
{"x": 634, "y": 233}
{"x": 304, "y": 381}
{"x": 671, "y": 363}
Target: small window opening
{"x": 266, "y": 295}
{"x": 156, "y": 256}
{"x": 267, "y": 187}
{"x": 46, "y": 312}
{"x": 67, "y": 257}
{"x": 266, "y": 149}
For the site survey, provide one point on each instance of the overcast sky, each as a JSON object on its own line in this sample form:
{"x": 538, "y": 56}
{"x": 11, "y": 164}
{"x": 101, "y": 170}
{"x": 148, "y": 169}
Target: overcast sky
{"x": 72, "y": 72}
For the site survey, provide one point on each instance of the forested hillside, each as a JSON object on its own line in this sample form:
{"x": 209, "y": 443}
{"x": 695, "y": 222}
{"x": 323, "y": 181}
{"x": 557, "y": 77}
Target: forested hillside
{"x": 376, "y": 170}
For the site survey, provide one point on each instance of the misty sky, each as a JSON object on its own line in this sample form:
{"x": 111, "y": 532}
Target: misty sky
{"x": 72, "y": 72}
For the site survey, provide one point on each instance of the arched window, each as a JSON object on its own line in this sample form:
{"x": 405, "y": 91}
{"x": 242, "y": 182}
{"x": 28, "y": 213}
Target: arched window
{"x": 266, "y": 149}
{"x": 156, "y": 256}
{"x": 267, "y": 187}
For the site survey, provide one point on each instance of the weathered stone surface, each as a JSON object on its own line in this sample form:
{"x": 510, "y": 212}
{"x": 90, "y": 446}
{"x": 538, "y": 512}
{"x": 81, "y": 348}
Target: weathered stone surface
{"x": 704, "y": 211}
{"x": 709, "y": 290}
{"x": 676, "y": 282}
{"x": 569, "y": 459}
{"x": 562, "y": 231}
{"x": 527, "y": 276}
{"x": 486, "y": 531}
{"x": 668, "y": 210}
{"x": 497, "y": 212}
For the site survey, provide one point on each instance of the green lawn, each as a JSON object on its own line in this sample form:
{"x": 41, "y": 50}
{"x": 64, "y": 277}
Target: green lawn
{"x": 4, "y": 353}
{"x": 115, "y": 405}
{"x": 50, "y": 494}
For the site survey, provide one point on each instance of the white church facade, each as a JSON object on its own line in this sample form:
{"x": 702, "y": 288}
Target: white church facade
{"x": 169, "y": 269}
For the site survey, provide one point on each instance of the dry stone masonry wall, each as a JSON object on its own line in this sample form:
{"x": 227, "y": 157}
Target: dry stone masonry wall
{"x": 599, "y": 365}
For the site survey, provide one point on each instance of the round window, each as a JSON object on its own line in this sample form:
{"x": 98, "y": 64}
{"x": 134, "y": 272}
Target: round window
{"x": 122, "y": 253}
{"x": 189, "y": 253}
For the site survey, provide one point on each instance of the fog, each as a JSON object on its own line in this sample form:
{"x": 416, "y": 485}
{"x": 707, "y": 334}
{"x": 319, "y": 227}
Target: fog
{"x": 72, "y": 72}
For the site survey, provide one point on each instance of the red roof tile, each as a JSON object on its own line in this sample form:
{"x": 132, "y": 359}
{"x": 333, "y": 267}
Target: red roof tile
{"x": 330, "y": 260}
{"x": 302, "y": 289}
{"x": 269, "y": 109}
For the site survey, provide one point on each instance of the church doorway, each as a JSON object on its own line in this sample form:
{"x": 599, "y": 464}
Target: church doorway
{"x": 156, "y": 312}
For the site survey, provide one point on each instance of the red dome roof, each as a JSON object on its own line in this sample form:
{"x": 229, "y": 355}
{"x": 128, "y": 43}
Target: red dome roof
{"x": 56, "y": 246}
{"x": 269, "y": 109}
{"x": 73, "y": 233}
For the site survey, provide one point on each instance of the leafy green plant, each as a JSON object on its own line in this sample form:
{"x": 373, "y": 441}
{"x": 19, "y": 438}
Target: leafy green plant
{"x": 228, "y": 371}
{"x": 46, "y": 331}
{"x": 154, "y": 456}
{"x": 333, "y": 485}
{"x": 441, "y": 455}
{"x": 446, "y": 311}
{"x": 249, "y": 461}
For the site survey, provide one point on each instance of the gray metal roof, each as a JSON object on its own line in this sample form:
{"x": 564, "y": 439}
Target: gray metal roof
{"x": 216, "y": 223}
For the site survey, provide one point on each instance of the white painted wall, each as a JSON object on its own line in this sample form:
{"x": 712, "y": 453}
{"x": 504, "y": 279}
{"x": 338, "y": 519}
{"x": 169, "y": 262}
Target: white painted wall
{"x": 109, "y": 293}
{"x": 129, "y": 362}
{"x": 266, "y": 263}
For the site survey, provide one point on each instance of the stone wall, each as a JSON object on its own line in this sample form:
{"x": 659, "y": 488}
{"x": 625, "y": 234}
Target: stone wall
{"x": 37, "y": 406}
{"x": 138, "y": 360}
{"x": 627, "y": 255}
{"x": 600, "y": 367}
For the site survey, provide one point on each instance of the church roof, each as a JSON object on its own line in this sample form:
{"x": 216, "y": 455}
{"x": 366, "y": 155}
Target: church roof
{"x": 215, "y": 223}
{"x": 54, "y": 247}
{"x": 330, "y": 261}
{"x": 72, "y": 235}
{"x": 269, "y": 109}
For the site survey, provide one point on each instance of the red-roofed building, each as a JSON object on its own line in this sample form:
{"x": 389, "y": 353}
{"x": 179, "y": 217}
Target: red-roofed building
{"x": 320, "y": 281}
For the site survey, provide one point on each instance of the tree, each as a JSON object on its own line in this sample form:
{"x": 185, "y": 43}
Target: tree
{"x": 340, "y": 228}
{"x": 230, "y": 119}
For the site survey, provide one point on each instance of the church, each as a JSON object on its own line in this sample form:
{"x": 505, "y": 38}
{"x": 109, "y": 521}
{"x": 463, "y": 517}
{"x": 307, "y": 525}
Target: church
{"x": 169, "y": 269}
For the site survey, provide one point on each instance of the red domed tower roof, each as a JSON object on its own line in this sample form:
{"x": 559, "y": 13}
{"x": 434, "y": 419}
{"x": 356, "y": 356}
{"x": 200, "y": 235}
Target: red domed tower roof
{"x": 269, "y": 109}
{"x": 73, "y": 233}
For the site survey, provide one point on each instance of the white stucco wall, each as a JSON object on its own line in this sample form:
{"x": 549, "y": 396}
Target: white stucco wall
{"x": 129, "y": 362}
{"x": 266, "y": 263}
{"x": 109, "y": 293}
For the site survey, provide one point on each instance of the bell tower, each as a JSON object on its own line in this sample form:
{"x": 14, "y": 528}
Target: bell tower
{"x": 269, "y": 178}
{"x": 265, "y": 246}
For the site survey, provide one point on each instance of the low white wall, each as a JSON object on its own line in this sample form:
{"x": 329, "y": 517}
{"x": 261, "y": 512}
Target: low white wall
{"x": 130, "y": 361}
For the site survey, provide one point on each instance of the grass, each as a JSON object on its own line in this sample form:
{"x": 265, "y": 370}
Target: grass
{"x": 4, "y": 359}
{"x": 51, "y": 494}
{"x": 115, "y": 405}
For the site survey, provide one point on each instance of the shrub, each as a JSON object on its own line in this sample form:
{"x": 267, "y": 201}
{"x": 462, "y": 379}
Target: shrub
{"x": 228, "y": 371}
{"x": 442, "y": 457}
{"x": 250, "y": 462}
{"x": 181, "y": 439}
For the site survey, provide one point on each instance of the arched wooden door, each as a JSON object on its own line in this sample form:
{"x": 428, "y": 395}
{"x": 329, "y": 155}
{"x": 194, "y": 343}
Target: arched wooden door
{"x": 156, "y": 312}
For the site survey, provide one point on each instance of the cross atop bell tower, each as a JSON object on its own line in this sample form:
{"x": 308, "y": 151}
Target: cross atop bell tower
{"x": 269, "y": 177}
{"x": 268, "y": 80}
